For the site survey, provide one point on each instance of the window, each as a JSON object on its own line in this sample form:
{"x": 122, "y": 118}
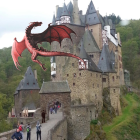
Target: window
{"x": 120, "y": 66}
{"x": 33, "y": 83}
{"x": 98, "y": 85}
{"x": 95, "y": 96}
{"x": 54, "y": 69}
{"x": 113, "y": 79}
{"x": 30, "y": 73}
{"x": 104, "y": 79}
{"x": 73, "y": 84}
{"x": 79, "y": 74}
{"x": 67, "y": 75}
{"x": 91, "y": 74}
{"x": 114, "y": 90}
{"x": 96, "y": 75}
{"x": 102, "y": 58}
{"x": 74, "y": 75}
{"x": 72, "y": 64}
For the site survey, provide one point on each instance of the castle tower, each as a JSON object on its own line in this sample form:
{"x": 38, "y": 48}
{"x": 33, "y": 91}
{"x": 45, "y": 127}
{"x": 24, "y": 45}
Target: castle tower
{"x": 27, "y": 92}
{"x": 53, "y": 21}
{"x": 94, "y": 23}
{"x": 76, "y": 18}
{"x": 65, "y": 17}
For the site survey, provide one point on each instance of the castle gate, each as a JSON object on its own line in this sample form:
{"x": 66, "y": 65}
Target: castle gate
{"x": 55, "y": 91}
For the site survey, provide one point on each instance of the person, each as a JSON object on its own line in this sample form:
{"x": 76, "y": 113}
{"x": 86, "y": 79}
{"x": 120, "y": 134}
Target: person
{"x": 43, "y": 116}
{"x": 38, "y": 130}
{"x": 51, "y": 110}
{"x": 55, "y": 107}
{"x": 28, "y": 129}
{"x": 21, "y": 129}
{"x": 17, "y": 135}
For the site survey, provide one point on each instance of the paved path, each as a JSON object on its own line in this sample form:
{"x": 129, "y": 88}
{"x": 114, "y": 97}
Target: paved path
{"x": 54, "y": 118}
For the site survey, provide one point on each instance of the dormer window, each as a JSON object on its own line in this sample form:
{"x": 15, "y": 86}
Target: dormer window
{"x": 74, "y": 75}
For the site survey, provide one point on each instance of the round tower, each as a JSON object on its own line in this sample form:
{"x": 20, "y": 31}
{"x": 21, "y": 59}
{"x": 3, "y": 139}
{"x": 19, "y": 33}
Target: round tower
{"x": 76, "y": 18}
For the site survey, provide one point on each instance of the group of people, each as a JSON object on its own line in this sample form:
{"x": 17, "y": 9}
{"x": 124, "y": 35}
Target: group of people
{"x": 18, "y": 135}
{"x": 55, "y": 107}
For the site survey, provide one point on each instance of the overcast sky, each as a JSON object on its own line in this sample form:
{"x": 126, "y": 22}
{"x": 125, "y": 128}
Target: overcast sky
{"x": 15, "y": 15}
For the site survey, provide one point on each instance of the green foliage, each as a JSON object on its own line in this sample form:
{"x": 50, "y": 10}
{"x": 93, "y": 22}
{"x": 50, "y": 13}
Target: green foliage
{"x": 94, "y": 121}
{"x": 115, "y": 19}
{"x": 10, "y": 78}
{"x": 130, "y": 38}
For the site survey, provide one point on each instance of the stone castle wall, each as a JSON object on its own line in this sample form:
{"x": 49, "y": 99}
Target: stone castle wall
{"x": 24, "y": 97}
{"x": 59, "y": 131}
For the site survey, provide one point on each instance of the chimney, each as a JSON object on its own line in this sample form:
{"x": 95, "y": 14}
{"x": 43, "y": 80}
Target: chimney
{"x": 35, "y": 74}
{"x": 56, "y": 9}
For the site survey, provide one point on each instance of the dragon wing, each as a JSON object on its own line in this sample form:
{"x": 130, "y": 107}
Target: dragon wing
{"x": 57, "y": 33}
{"x": 17, "y": 49}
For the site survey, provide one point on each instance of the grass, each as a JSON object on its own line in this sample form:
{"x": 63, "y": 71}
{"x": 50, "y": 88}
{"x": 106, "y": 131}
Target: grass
{"x": 123, "y": 120}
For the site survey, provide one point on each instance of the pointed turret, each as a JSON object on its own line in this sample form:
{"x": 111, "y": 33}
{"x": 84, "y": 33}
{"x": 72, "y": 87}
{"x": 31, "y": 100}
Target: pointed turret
{"x": 91, "y": 9}
{"x": 29, "y": 81}
{"x": 70, "y": 8}
{"x": 65, "y": 17}
{"x": 76, "y": 17}
{"x": 105, "y": 60}
{"x": 58, "y": 15}
{"x": 53, "y": 21}
{"x": 65, "y": 11}
{"x": 90, "y": 65}
{"x": 91, "y": 15}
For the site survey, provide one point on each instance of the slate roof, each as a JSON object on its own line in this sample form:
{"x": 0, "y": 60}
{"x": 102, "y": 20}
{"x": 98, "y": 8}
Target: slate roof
{"x": 65, "y": 11}
{"x": 83, "y": 54}
{"x": 91, "y": 9}
{"x": 105, "y": 63}
{"x": 70, "y": 8}
{"x": 59, "y": 13}
{"x": 89, "y": 42}
{"x": 83, "y": 19}
{"x": 28, "y": 82}
{"x": 92, "y": 19}
{"x": 53, "y": 21}
{"x": 101, "y": 20}
{"x": 55, "y": 87}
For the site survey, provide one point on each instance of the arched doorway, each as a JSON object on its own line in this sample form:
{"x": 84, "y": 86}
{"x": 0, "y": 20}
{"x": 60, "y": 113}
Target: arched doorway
{"x": 53, "y": 92}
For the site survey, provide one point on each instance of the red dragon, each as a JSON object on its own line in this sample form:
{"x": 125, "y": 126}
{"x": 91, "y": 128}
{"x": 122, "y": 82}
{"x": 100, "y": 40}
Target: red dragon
{"x": 52, "y": 33}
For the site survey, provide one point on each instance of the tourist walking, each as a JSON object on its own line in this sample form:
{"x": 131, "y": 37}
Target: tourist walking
{"x": 28, "y": 129}
{"x": 17, "y": 135}
{"x": 38, "y": 130}
{"x": 55, "y": 107}
{"x": 21, "y": 127}
{"x": 51, "y": 110}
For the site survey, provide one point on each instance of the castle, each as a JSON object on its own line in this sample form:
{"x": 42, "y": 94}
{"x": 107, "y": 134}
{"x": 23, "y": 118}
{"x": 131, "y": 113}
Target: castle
{"x": 77, "y": 86}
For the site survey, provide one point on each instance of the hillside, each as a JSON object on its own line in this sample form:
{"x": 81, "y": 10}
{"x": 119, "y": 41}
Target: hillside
{"x": 10, "y": 77}
{"x": 130, "y": 38}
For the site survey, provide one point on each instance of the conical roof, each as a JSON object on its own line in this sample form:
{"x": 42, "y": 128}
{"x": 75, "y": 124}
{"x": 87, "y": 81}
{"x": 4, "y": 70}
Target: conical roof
{"x": 89, "y": 42}
{"x": 53, "y": 21}
{"x": 65, "y": 11}
{"x": 28, "y": 82}
{"x": 105, "y": 60}
{"x": 70, "y": 8}
{"x": 106, "y": 20}
{"x": 59, "y": 13}
{"x": 83, "y": 54}
{"x": 91, "y": 8}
